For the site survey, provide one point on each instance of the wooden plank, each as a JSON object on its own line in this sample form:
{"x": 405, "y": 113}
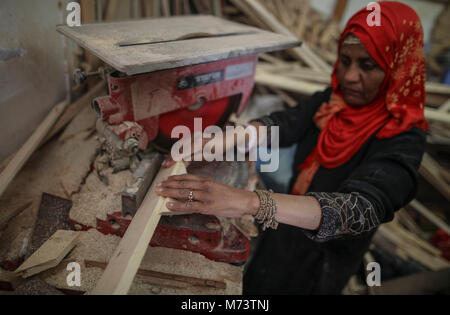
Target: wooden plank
{"x": 436, "y": 115}
{"x": 50, "y": 254}
{"x": 417, "y": 206}
{"x": 339, "y": 10}
{"x": 304, "y": 52}
{"x": 5, "y": 218}
{"x": 22, "y": 156}
{"x": 111, "y": 10}
{"x": 88, "y": 15}
{"x": 165, "y": 6}
{"x": 75, "y": 108}
{"x": 437, "y": 88}
{"x": 431, "y": 171}
{"x": 413, "y": 251}
{"x": 167, "y": 276}
{"x": 156, "y": 8}
{"x": 286, "y": 83}
{"x": 432, "y": 282}
{"x": 125, "y": 262}
{"x": 216, "y": 7}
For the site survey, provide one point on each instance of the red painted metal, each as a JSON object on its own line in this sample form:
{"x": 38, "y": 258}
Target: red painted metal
{"x": 136, "y": 102}
{"x": 144, "y": 106}
{"x": 196, "y": 233}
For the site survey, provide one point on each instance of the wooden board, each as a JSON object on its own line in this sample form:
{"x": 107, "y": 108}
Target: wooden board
{"x": 22, "y": 156}
{"x": 125, "y": 262}
{"x": 50, "y": 254}
{"x": 104, "y": 40}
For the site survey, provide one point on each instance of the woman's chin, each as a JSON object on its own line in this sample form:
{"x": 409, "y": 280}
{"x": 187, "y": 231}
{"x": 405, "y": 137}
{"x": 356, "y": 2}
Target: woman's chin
{"x": 354, "y": 101}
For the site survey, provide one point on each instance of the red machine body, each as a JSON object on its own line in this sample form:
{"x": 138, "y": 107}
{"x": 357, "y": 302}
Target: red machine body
{"x": 147, "y": 107}
{"x": 143, "y": 105}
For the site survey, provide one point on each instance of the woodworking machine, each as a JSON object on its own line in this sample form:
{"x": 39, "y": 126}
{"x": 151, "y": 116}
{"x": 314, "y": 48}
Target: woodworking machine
{"x": 163, "y": 73}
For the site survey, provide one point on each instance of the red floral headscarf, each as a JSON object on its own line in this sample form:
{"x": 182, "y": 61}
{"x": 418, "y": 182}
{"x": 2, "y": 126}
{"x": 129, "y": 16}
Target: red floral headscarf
{"x": 397, "y": 47}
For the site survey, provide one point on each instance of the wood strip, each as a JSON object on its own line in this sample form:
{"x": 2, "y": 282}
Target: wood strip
{"x": 216, "y": 7}
{"x": 279, "y": 81}
{"x": 167, "y": 276}
{"x": 432, "y": 282}
{"x": 111, "y": 10}
{"x": 418, "y": 254}
{"x": 165, "y": 6}
{"x": 156, "y": 8}
{"x": 304, "y": 52}
{"x": 75, "y": 108}
{"x": 339, "y": 10}
{"x": 437, "y": 88}
{"x": 125, "y": 262}
{"x": 436, "y": 115}
{"x": 5, "y": 218}
{"x": 22, "y": 156}
{"x": 431, "y": 171}
{"x": 417, "y": 206}
{"x": 50, "y": 254}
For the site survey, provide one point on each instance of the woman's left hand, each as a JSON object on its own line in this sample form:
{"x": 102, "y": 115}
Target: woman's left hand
{"x": 209, "y": 197}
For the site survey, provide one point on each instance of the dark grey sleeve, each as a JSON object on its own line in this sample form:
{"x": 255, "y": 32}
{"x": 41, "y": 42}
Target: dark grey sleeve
{"x": 381, "y": 185}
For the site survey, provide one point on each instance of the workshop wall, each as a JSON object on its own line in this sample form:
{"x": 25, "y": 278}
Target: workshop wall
{"x": 33, "y": 66}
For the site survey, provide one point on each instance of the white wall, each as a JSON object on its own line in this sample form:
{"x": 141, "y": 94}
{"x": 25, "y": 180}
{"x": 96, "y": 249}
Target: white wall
{"x": 33, "y": 82}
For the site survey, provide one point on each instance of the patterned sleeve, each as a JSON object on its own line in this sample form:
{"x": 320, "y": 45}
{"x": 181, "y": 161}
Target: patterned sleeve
{"x": 384, "y": 183}
{"x": 344, "y": 215}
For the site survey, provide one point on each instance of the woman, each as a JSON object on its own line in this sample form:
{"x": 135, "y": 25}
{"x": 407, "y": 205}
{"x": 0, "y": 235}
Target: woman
{"x": 360, "y": 144}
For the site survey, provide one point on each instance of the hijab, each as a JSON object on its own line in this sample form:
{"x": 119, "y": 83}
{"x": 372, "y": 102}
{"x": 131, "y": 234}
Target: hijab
{"x": 397, "y": 47}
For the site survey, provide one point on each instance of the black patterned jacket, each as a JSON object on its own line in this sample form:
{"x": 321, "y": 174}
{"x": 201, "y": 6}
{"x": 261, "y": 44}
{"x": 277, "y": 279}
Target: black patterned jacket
{"x": 363, "y": 193}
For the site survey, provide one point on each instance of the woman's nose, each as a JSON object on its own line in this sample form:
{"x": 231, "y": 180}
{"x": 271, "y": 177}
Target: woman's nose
{"x": 352, "y": 74}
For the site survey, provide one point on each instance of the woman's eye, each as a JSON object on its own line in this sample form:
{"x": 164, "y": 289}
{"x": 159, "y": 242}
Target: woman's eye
{"x": 368, "y": 66}
{"x": 345, "y": 61}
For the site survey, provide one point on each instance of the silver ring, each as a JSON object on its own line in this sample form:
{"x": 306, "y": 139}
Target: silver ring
{"x": 191, "y": 196}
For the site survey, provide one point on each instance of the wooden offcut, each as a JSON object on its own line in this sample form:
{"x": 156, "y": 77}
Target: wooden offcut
{"x": 50, "y": 254}
{"x": 125, "y": 262}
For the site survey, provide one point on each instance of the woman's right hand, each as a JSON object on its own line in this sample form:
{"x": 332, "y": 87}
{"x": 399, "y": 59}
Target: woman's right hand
{"x": 169, "y": 162}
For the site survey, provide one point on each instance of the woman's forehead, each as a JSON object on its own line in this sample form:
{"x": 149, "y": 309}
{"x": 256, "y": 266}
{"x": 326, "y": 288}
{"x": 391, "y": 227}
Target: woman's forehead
{"x": 355, "y": 51}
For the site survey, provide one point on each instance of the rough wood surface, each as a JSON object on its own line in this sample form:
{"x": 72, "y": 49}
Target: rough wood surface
{"x": 103, "y": 40}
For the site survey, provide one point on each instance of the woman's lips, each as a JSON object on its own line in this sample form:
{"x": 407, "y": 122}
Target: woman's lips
{"x": 350, "y": 92}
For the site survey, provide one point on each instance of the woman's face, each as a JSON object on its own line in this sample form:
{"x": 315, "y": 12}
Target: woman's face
{"x": 359, "y": 75}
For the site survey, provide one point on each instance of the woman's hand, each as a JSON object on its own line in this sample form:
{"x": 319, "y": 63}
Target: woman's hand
{"x": 169, "y": 162}
{"x": 210, "y": 197}
{"x": 218, "y": 140}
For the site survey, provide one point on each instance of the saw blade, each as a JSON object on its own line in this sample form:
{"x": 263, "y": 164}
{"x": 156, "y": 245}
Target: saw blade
{"x": 213, "y": 113}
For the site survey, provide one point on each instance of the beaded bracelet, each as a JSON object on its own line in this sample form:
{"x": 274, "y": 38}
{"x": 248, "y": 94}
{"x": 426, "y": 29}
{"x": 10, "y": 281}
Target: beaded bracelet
{"x": 267, "y": 210}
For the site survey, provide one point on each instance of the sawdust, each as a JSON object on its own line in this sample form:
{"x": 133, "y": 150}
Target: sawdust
{"x": 95, "y": 246}
{"x": 96, "y": 200}
{"x": 43, "y": 173}
{"x": 92, "y": 245}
